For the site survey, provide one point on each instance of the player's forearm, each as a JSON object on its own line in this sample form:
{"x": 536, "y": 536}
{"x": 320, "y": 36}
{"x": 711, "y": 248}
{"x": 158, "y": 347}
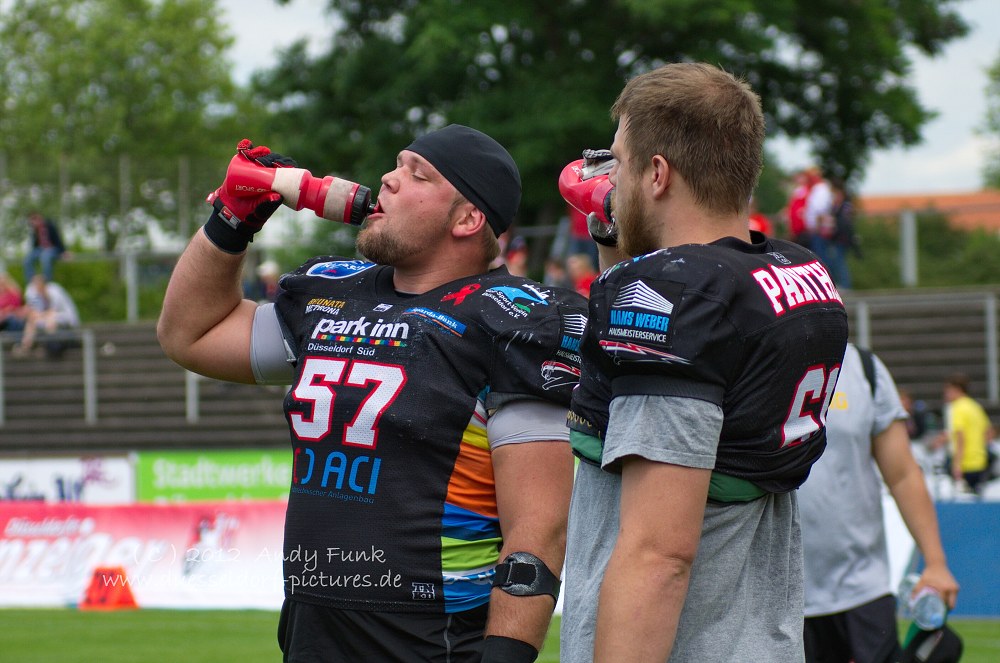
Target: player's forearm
{"x": 640, "y": 605}
{"x": 524, "y": 618}
{"x": 527, "y": 618}
{"x": 528, "y": 475}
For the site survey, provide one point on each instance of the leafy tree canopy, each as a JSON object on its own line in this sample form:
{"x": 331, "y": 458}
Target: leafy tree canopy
{"x": 540, "y": 76}
{"x": 89, "y": 88}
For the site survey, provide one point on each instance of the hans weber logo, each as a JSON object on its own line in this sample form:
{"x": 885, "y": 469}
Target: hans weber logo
{"x": 340, "y": 269}
{"x": 650, "y": 322}
{"x": 639, "y": 323}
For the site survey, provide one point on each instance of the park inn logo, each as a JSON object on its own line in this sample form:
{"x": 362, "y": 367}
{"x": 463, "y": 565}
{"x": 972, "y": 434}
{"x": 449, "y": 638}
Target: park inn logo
{"x": 361, "y": 330}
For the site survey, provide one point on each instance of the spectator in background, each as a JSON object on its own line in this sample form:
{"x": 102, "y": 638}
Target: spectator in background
{"x": 517, "y": 256}
{"x": 849, "y": 605}
{"x": 795, "y": 210}
{"x": 581, "y": 272}
{"x": 818, "y": 213}
{"x": 11, "y": 304}
{"x": 45, "y": 246}
{"x": 579, "y": 235}
{"x": 556, "y": 274}
{"x": 759, "y": 220}
{"x": 266, "y": 286}
{"x": 968, "y": 429}
{"x": 916, "y": 423}
{"x": 49, "y": 308}
{"x": 843, "y": 238}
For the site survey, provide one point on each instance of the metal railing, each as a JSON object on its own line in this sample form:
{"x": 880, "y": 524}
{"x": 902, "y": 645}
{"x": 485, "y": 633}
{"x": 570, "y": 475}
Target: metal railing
{"x": 862, "y": 306}
{"x": 862, "y": 309}
{"x": 86, "y": 339}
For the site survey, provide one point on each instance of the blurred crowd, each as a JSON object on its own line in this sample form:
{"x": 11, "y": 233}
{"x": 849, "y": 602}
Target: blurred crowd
{"x": 33, "y": 316}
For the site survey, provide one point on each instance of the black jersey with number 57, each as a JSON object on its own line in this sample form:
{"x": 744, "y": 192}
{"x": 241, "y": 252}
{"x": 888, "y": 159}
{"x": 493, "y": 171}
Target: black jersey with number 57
{"x": 758, "y": 329}
{"x": 392, "y": 504}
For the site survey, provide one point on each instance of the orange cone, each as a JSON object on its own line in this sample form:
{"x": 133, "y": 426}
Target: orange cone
{"x": 109, "y": 590}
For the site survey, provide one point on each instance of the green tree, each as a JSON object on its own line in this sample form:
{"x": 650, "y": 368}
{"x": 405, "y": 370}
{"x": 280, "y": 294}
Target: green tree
{"x": 541, "y": 75}
{"x": 111, "y": 107}
{"x": 991, "y": 172}
{"x": 772, "y": 190}
{"x": 946, "y": 256}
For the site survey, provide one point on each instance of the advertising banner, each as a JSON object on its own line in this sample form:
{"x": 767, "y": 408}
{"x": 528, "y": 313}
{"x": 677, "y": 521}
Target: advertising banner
{"x": 212, "y": 555}
{"x": 191, "y": 476}
{"x": 105, "y": 480}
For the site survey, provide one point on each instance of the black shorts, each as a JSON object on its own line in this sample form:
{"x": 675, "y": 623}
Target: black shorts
{"x": 866, "y": 634}
{"x": 310, "y": 633}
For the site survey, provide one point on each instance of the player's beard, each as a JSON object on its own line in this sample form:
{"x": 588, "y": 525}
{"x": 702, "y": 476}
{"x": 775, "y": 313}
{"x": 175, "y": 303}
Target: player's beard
{"x": 638, "y": 233}
{"x": 383, "y": 247}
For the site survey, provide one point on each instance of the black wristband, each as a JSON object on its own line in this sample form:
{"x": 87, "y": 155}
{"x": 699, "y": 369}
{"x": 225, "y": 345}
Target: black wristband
{"x": 500, "y": 649}
{"x": 224, "y": 236}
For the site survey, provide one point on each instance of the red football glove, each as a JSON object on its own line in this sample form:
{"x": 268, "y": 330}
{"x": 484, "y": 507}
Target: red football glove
{"x": 584, "y": 184}
{"x": 245, "y": 200}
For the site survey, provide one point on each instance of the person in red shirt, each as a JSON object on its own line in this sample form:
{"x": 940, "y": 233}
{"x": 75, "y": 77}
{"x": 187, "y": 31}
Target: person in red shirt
{"x": 11, "y": 304}
{"x": 581, "y": 272}
{"x": 796, "y": 210}
{"x": 759, "y": 220}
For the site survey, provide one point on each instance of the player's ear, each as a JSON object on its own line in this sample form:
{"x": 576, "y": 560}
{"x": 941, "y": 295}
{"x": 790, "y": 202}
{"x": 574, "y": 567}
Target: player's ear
{"x": 470, "y": 220}
{"x": 660, "y": 175}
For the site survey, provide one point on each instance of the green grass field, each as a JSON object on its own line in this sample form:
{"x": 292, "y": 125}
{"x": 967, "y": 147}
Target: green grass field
{"x": 211, "y": 636}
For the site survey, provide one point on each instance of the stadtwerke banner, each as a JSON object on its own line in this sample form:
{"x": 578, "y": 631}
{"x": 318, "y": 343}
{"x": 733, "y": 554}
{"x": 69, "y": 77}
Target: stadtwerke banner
{"x": 192, "y": 476}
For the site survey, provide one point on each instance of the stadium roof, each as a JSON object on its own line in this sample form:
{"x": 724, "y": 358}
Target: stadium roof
{"x": 969, "y": 210}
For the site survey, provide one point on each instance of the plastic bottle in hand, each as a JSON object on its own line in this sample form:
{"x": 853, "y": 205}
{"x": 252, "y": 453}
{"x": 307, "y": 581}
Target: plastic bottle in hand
{"x": 926, "y": 608}
{"x": 929, "y": 610}
{"x": 904, "y": 605}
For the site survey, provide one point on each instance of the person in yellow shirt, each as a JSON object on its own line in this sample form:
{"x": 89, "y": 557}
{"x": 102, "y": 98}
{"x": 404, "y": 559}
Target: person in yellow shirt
{"x": 969, "y": 431}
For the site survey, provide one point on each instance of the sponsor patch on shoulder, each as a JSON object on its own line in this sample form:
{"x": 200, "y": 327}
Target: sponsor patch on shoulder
{"x": 339, "y": 269}
{"x": 517, "y": 302}
{"x": 559, "y": 374}
{"x": 445, "y": 322}
{"x": 642, "y": 314}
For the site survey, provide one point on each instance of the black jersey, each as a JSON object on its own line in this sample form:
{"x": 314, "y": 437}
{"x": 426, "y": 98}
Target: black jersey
{"x": 757, "y": 329}
{"x": 392, "y": 503}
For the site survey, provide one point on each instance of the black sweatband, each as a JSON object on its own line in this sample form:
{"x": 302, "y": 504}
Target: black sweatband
{"x": 223, "y": 235}
{"x": 524, "y": 574}
{"x": 501, "y": 649}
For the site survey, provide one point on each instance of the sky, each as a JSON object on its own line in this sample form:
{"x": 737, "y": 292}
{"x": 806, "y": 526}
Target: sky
{"x": 950, "y": 158}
